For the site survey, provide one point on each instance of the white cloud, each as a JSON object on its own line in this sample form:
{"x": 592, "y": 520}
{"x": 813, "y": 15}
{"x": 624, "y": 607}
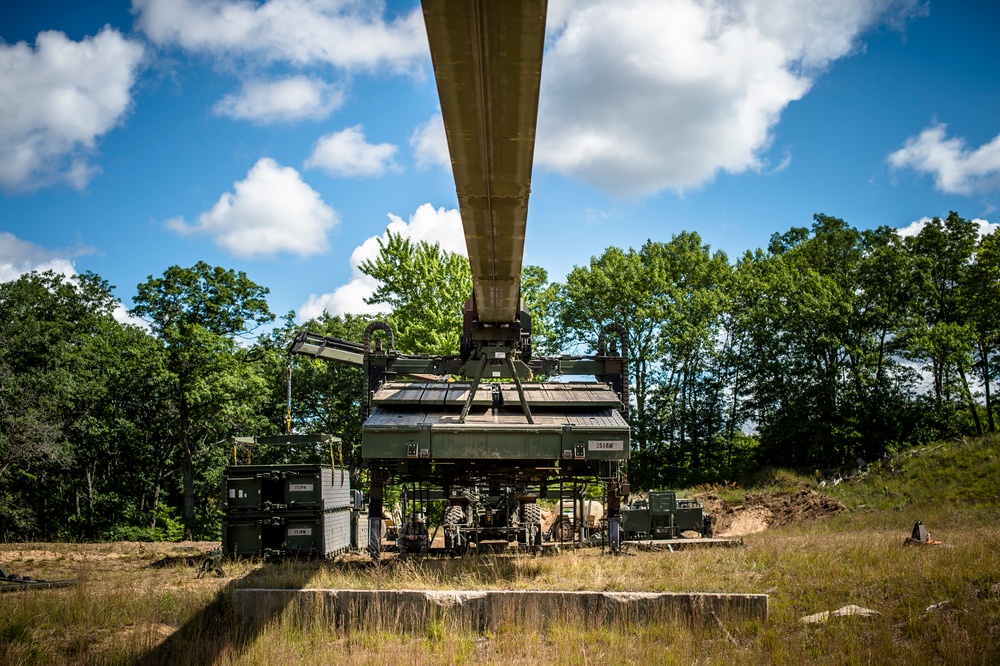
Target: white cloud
{"x": 346, "y": 299}
{"x": 786, "y": 161}
{"x": 913, "y": 228}
{"x": 344, "y": 33}
{"x": 347, "y": 154}
{"x": 442, "y": 226}
{"x": 430, "y": 143}
{"x": 956, "y": 168}
{"x": 122, "y": 316}
{"x": 18, "y": 256}
{"x": 642, "y": 96}
{"x": 290, "y": 99}
{"x": 270, "y": 212}
{"x": 56, "y": 100}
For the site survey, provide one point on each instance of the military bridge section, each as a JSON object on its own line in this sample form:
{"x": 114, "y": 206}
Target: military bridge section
{"x": 488, "y": 66}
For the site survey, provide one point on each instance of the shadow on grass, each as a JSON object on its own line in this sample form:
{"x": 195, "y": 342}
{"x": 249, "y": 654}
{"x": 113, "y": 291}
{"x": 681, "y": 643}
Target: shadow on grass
{"x": 480, "y": 570}
{"x": 216, "y": 629}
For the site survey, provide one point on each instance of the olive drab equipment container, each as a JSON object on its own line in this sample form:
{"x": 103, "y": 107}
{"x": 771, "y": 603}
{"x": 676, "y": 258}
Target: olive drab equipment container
{"x": 287, "y": 510}
{"x": 663, "y": 515}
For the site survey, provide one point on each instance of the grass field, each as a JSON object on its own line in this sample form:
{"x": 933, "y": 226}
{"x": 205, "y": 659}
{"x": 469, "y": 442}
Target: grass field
{"x": 142, "y": 603}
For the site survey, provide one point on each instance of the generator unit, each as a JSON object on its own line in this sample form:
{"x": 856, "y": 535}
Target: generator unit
{"x": 662, "y": 515}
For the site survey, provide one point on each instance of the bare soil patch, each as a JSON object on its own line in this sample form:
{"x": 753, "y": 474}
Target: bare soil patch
{"x": 68, "y": 558}
{"x": 760, "y": 511}
{"x": 549, "y": 516}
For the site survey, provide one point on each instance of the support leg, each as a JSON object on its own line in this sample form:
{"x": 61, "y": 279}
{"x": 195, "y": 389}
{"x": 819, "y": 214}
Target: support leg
{"x": 614, "y": 534}
{"x": 375, "y": 519}
{"x": 615, "y": 490}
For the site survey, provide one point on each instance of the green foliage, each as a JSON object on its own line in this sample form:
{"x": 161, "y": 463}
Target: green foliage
{"x": 941, "y": 335}
{"x": 931, "y": 482}
{"x": 425, "y": 288}
{"x": 834, "y": 344}
{"x": 54, "y": 395}
{"x": 670, "y": 299}
{"x": 197, "y": 313}
{"x": 819, "y": 321}
{"x": 326, "y": 397}
{"x": 169, "y": 528}
{"x": 221, "y": 301}
{"x": 542, "y": 300}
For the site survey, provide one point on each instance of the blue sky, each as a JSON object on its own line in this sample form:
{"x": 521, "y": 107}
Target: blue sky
{"x": 281, "y": 138}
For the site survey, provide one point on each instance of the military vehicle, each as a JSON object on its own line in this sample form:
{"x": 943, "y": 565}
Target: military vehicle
{"x": 578, "y": 518}
{"x": 510, "y": 515}
{"x": 474, "y": 515}
{"x": 663, "y": 515}
{"x": 495, "y": 426}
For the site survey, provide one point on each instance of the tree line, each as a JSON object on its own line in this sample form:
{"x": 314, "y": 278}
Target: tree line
{"x": 832, "y": 345}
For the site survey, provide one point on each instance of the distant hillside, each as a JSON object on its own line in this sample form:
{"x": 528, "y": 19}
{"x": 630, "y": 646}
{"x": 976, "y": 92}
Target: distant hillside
{"x": 947, "y": 483}
{"x": 960, "y": 475}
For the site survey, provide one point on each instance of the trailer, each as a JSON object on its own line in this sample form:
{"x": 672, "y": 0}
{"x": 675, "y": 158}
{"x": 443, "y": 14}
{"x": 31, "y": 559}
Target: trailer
{"x": 663, "y": 515}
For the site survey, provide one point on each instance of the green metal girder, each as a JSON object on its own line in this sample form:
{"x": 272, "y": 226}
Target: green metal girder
{"x": 487, "y": 58}
{"x": 444, "y": 443}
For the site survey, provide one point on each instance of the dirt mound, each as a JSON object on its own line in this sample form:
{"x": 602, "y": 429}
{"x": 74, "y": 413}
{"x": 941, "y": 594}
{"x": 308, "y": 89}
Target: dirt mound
{"x": 760, "y": 511}
{"x": 799, "y": 506}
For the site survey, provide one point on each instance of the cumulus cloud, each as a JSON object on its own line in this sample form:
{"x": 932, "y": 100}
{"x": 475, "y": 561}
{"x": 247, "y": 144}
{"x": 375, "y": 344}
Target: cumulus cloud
{"x": 642, "y": 96}
{"x": 269, "y": 212}
{"x": 18, "y": 256}
{"x": 347, "y": 154}
{"x": 289, "y": 99}
{"x": 913, "y": 228}
{"x": 442, "y": 226}
{"x": 956, "y": 168}
{"x": 430, "y": 143}
{"x": 56, "y": 100}
{"x": 343, "y": 33}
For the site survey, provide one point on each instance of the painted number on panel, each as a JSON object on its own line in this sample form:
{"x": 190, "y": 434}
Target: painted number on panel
{"x": 300, "y": 487}
{"x": 299, "y": 531}
{"x": 607, "y": 445}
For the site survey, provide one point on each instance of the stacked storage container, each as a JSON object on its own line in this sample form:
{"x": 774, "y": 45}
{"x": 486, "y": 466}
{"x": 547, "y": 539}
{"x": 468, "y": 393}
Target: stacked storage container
{"x": 286, "y": 510}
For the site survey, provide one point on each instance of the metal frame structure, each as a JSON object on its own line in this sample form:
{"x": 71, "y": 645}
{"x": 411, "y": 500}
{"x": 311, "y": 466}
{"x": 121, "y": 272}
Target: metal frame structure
{"x": 495, "y": 426}
{"x": 10, "y": 582}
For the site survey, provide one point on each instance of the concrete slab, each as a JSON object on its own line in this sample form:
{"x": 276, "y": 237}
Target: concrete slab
{"x": 481, "y": 610}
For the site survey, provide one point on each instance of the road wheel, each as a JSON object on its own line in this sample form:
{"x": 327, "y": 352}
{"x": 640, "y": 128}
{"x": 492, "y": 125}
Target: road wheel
{"x": 564, "y": 529}
{"x": 532, "y": 524}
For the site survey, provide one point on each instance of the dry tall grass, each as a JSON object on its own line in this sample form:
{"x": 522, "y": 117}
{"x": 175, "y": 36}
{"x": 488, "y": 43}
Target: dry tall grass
{"x": 127, "y": 610}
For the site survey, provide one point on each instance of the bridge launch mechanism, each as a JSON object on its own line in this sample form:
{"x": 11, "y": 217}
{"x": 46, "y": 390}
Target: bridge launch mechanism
{"x": 495, "y": 431}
